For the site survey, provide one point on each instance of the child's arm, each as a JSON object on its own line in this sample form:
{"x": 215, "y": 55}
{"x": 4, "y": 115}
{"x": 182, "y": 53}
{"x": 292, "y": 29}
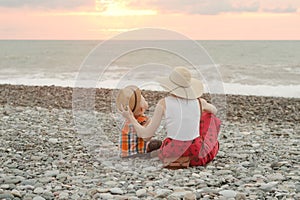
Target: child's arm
{"x": 208, "y": 107}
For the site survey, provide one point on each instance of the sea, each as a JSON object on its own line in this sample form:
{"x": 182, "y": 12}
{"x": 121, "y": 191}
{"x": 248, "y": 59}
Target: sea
{"x": 263, "y": 68}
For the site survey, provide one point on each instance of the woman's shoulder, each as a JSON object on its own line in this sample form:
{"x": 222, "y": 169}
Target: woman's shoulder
{"x": 203, "y": 101}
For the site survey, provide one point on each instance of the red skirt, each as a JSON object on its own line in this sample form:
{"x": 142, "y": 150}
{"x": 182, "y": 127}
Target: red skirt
{"x": 202, "y": 149}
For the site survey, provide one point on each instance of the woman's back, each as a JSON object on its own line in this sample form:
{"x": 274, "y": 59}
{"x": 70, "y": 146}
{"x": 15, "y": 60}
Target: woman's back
{"x": 182, "y": 118}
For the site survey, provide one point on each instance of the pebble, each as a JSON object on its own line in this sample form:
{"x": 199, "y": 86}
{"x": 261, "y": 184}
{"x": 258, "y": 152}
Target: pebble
{"x": 43, "y": 156}
{"x": 53, "y": 140}
{"x": 162, "y": 193}
{"x": 240, "y": 196}
{"x": 116, "y": 191}
{"x": 106, "y": 196}
{"x": 178, "y": 195}
{"x": 38, "y": 190}
{"x": 228, "y": 193}
{"x": 276, "y": 177}
{"x": 190, "y": 196}
{"x": 51, "y": 173}
{"x": 5, "y": 186}
{"x": 276, "y": 165}
{"x": 38, "y": 198}
{"x": 16, "y": 193}
{"x": 6, "y": 196}
{"x": 141, "y": 192}
{"x": 298, "y": 188}
{"x": 31, "y": 182}
{"x": 268, "y": 186}
{"x": 63, "y": 195}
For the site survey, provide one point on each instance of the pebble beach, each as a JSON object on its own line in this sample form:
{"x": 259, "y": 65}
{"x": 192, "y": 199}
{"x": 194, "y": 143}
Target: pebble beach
{"x": 44, "y": 156}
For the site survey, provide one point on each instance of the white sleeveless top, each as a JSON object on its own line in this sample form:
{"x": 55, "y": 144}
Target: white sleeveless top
{"x": 182, "y": 118}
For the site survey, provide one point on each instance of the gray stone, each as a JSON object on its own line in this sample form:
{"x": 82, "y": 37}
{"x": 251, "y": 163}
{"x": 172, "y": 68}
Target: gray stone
{"x": 51, "y": 173}
{"x": 28, "y": 197}
{"x": 53, "y": 140}
{"x": 76, "y": 196}
{"x": 13, "y": 180}
{"x": 29, "y": 182}
{"x": 5, "y": 186}
{"x": 6, "y": 196}
{"x": 276, "y": 177}
{"x": 25, "y": 187}
{"x": 45, "y": 180}
{"x": 38, "y": 190}
{"x": 268, "y": 186}
{"x": 240, "y": 196}
{"x": 106, "y": 196}
{"x": 150, "y": 169}
{"x": 48, "y": 195}
{"x": 111, "y": 183}
{"x": 207, "y": 190}
{"x": 116, "y": 191}
{"x": 190, "y": 196}
{"x": 38, "y": 198}
{"x": 298, "y": 188}
{"x": 63, "y": 196}
{"x": 16, "y": 193}
{"x": 178, "y": 195}
{"x": 103, "y": 190}
{"x": 228, "y": 193}
{"x": 141, "y": 192}
{"x": 277, "y": 165}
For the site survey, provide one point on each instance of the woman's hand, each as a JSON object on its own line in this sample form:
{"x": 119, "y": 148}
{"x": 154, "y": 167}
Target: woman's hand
{"x": 127, "y": 114}
{"x": 208, "y": 107}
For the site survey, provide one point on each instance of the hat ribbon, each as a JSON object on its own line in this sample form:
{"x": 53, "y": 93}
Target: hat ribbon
{"x": 135, "y": 97}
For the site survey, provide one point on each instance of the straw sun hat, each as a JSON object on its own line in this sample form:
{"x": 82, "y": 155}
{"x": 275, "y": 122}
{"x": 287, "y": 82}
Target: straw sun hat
{"x": 181, "y": 84}
{"x": 130, "y": 95}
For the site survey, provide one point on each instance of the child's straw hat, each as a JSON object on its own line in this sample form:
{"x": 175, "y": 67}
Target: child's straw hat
{"x": 130, "y": 95}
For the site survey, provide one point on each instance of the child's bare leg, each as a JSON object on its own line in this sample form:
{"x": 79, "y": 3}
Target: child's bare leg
{"x": 154, "y": 153}
{"x": 153, "y": 145}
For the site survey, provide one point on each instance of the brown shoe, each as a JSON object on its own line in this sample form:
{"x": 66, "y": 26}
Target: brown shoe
{"x": 153, "y": 145}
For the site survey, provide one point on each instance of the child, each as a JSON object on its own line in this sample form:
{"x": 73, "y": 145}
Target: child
{"x": 130, "y": 144}
{"x": 183, "y": 110}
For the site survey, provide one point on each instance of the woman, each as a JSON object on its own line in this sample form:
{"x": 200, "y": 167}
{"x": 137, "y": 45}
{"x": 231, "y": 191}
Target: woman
{"x": 183, "y": 110}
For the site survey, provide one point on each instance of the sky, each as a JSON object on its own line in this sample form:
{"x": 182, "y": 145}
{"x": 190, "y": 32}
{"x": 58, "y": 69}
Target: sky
{"x": 196, "y": 19}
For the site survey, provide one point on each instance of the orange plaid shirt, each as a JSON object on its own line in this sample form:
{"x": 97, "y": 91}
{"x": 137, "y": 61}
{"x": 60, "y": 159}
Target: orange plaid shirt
{"x": 130, "y": 143}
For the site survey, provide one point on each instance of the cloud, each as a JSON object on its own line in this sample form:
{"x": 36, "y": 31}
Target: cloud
{"x": 204, "y": 7}
{"x": 46, "y": 4}
{"x": 281, "y": 10}
{"x": 213, "y": 7}
{"x": 210, "y": 7}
